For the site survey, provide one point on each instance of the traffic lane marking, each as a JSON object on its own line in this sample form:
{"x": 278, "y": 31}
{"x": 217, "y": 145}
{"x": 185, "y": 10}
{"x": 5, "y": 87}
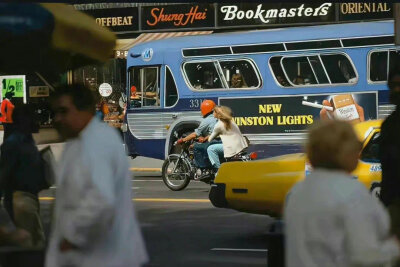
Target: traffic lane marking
{"x": 240, "y": 249}
{"x": 152, "y": 199}
{"x": 153, "y": 180}
{"x": 55, "y": 187}
{"x": 145, "y": 169}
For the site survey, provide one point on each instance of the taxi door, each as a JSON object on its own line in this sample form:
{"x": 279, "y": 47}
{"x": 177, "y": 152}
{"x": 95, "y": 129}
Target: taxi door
{"x": 369, "y": 171}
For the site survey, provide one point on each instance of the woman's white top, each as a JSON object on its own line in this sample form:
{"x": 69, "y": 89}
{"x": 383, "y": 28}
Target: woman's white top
{"x": 332, "y": 220}
{"x": 232, "y": 139}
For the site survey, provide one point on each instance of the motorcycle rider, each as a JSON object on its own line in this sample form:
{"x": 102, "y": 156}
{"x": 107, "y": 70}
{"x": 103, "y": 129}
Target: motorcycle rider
{"x": 202, "y": 132}
{"x": 233, "y": 141}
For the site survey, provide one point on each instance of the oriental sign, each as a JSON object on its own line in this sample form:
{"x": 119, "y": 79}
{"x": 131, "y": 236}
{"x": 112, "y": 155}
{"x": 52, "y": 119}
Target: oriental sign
{"x": 370, "y": 10}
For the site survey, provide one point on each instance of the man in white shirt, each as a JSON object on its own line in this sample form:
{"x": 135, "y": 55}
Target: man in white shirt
{"x": 331, "y": 219}
{"x": 94, "y": 223}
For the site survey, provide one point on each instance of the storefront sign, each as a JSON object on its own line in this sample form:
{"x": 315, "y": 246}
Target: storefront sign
{"x": 105, "y": 89}
{"x": 117, "y": 19}
{"x": 294, "y": 114}
{"x": 368, "y": 10}
{"x": 39, "y": 91}
{"x": 243, "y": 14}
{"x": 178, "y": 16}
{"x": 121, "y": 53}
{"x": 14, "y": 84}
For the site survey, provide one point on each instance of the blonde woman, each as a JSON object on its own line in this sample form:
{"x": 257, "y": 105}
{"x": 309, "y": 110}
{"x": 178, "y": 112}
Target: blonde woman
{"x": 232, "y": 140}
{"x": 331, "y": 219}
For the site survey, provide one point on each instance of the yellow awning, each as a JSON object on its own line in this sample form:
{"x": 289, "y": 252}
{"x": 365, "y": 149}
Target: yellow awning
{"x": 77, "y": 33}
{"x": 126, "y": 44}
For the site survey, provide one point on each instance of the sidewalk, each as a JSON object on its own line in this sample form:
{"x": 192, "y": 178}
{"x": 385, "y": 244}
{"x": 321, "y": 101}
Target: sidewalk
{"x": 50, "y": 137}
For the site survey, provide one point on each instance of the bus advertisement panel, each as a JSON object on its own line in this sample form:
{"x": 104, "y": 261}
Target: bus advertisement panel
{"x": 294, "y": 114}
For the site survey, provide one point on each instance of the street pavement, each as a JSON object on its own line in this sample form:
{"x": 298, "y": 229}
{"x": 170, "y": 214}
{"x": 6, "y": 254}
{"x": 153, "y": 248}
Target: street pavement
{"x": 184, "y": 229}
{"x": 180, "y": 228}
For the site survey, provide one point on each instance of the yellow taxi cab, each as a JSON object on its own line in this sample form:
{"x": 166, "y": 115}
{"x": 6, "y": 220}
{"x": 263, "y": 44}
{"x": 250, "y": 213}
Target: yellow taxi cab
{"x": 261, "y": 186}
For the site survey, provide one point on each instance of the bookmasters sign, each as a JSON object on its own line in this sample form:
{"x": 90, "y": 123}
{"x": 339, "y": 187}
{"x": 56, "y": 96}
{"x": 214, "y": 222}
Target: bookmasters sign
{"x": 244, "y": 14}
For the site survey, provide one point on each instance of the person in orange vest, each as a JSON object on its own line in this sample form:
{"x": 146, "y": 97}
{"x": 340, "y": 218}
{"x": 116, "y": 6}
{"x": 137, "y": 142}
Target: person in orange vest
{"x": 6, "y": 109}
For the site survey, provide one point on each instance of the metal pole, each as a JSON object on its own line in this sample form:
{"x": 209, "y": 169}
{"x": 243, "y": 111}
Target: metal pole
{"x": 396, "y": 9}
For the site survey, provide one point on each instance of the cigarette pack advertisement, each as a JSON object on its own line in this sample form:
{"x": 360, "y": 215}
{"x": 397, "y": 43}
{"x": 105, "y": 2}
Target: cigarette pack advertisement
{"x": 294, "y": 114}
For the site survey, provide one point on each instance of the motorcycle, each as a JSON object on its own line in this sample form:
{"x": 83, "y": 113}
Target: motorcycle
{"x": 179, "y": 169}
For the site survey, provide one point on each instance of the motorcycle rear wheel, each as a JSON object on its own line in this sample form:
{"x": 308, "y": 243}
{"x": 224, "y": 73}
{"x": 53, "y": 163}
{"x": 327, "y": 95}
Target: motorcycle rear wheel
{"x": 179, "y": 179}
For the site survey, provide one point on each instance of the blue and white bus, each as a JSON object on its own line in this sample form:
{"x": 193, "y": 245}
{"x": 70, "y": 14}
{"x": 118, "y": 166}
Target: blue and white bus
{"x": 275, "y": 81}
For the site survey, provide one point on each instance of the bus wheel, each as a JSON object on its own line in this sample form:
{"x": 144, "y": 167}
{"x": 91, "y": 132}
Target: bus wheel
{"x": 175, "y": 173}
{"x": 376, "y": 190}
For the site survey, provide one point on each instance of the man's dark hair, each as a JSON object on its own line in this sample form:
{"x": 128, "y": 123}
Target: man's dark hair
{"x": 25, "y": 119}
{"x": 82, "y": 97}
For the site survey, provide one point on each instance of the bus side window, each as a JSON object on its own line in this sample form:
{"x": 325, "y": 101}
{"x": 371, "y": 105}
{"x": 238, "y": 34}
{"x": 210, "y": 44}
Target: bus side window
{"x": 277, "y": 70}
{"x": 339, "y": 68}
{"x": 378, "y": 66}
{"x": 240, "y": 74}
{"x": 299, "y": 70}
{"x": 171, "y": 92}
{"x": 394, "y": 57}
{"x": 310, "y": 70}
{"x": 144, "y": 87}
{"x": 202, "y": 75}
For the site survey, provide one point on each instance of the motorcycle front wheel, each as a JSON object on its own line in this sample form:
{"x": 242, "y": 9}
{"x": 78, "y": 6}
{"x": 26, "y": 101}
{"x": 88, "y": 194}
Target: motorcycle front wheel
{"x": 175, "y": 173}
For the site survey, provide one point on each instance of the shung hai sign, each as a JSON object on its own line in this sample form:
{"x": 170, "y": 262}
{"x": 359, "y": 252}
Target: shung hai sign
{"x": 250, "y": 14}
{"x": 177, "y": 16}
{"x": 294, "y": 114}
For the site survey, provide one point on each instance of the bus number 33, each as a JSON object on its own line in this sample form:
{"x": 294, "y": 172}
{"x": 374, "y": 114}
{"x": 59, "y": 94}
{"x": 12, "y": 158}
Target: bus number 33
{"x": 195, "y": 103}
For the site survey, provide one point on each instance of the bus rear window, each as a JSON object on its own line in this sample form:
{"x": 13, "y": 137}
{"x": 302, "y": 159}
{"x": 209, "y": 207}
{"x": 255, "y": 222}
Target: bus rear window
{"x": 321, "y": 69}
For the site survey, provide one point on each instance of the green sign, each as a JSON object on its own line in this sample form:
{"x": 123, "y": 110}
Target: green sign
{"x": 14, "y": 84}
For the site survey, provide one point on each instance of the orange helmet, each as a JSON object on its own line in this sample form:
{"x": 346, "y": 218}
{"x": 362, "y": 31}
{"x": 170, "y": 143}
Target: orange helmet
{"x": 206, "y": 107}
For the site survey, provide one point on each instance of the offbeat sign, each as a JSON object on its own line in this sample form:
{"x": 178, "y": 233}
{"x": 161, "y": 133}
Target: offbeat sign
{"x": 117, "y": 19}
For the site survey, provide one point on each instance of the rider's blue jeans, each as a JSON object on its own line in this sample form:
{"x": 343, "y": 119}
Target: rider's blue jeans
{"x": 214, "y": 153}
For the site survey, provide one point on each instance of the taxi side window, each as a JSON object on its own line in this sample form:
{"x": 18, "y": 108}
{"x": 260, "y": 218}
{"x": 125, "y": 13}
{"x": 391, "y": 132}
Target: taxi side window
{"x": 371, "y": 151}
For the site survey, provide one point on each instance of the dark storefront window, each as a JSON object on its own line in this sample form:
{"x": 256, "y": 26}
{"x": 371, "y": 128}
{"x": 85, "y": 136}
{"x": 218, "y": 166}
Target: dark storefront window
{"x": 112, "y": 72}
